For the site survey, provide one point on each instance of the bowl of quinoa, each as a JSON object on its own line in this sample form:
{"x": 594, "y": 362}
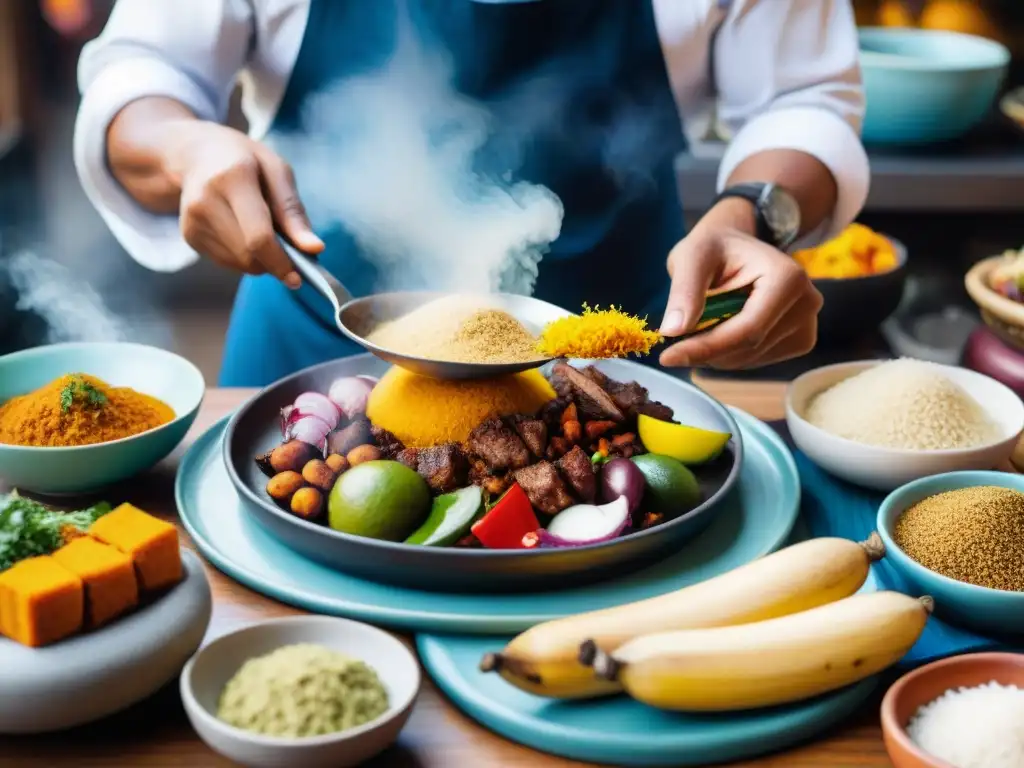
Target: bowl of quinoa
{"x": 959, "y": 536}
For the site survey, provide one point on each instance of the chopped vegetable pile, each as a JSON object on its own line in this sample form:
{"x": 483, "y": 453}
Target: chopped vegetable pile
{"x": 857, "y": 252}
{"x": 1008, "y": 277}
{"x": 28, "y": 528}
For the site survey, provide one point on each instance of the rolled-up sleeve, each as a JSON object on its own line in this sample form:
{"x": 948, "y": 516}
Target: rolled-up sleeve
{"x": 187, "y": 50}
{"x": 788, "y": 77}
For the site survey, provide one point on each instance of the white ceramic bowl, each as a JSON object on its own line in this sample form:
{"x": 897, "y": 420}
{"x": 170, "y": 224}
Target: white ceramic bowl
{"x": 206, "y": 674}
{"x": 888, "y": 468}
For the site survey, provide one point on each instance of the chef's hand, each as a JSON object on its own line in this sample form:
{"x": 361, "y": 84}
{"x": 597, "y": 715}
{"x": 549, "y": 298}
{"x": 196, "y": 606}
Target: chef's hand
{"x": 778, "y": 322}
{"x": 235, "y": 195}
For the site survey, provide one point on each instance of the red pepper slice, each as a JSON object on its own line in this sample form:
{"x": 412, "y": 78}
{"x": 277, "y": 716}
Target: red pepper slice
{"x": 507, "y": 522}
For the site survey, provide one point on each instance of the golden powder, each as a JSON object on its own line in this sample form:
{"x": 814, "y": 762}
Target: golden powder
{"x": 974, "y": 535}
{"x": 79, "y": 409}
{"x": 458, "y": 329}
{"x": 597, "y": 334}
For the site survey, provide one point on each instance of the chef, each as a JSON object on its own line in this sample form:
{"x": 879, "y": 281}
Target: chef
{"x": 175, "y": 184}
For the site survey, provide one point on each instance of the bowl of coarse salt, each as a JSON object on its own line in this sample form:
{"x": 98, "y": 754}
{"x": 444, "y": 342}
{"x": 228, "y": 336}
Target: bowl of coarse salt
{"x": 961, "y": 712}
{"x": 881, "y": 424}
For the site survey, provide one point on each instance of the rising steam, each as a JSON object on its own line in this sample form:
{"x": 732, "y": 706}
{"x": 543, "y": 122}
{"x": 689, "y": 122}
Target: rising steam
{"x": 72, "y": 310}
{"x": 390, "y": 156}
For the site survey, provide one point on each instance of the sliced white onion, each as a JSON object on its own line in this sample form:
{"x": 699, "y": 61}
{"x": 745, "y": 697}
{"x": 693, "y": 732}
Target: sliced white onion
{"x": 319, "y": 405}
{"x": 587, "y": 524}
{"x": 350, "y": 394}
{"x": 309, "y": 429}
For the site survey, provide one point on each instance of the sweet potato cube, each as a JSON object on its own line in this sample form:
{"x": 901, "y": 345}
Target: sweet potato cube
{"x": 108, "y": 575}
{"x": 41, "y": 602}
{"x": 150, "y": 542}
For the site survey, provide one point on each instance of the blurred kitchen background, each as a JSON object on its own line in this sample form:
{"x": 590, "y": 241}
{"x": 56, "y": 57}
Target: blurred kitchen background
{"x": 951, "y": 202}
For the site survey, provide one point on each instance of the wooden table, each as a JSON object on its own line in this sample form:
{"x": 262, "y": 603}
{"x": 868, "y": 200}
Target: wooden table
{"x": 156, "y": 732}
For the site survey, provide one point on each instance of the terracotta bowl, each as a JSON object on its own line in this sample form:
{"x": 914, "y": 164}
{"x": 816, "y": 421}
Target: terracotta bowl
{"x": 926, "y": 684}
{"x": 1004, "y": 316}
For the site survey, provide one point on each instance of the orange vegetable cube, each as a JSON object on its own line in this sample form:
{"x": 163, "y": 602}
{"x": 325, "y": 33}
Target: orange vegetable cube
{"x": 41, "y": 602}
{"x": 108, "y": 575}
{"x": 150, "y": 542}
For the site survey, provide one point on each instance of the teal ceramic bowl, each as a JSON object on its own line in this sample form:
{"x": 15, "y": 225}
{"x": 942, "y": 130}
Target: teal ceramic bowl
{"x": 66, "y": 471}
{"x": 990, "y": 611}
{"x": 926, "y": 86}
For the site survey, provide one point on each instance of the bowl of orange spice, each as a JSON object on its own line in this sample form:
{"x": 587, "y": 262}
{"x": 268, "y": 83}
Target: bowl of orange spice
{"x": 861, "y": 275}
{"x": 75, "y": 418}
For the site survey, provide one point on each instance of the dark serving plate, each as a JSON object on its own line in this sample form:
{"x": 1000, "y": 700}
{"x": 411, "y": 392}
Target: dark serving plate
{"x": 254, "y": 429}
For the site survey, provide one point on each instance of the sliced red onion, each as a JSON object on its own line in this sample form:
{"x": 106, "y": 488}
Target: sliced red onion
{"x": 586, "y": 524}
{"x": 309, "y": 429}
{"x": 621, "y": 477}
{"x": 350, "y": 394}
{"x": 316, "y": 404}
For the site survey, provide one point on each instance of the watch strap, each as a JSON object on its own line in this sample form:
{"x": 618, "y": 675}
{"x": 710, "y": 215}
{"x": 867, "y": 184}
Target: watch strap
{"x": 753, "y": 193}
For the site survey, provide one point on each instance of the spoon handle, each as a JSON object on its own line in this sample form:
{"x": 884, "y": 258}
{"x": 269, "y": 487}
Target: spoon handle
{"x": 324, "y": 282}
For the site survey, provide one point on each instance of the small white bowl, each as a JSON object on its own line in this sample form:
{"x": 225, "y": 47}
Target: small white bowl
{"x": 205, "y": 675}
{"x": 885, "y": 469}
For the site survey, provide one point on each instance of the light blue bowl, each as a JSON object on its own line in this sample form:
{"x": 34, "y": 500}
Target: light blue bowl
{"x": 63, "y": 471}
{"x": 990, "y": 611}
{"x": 924, "y": 86}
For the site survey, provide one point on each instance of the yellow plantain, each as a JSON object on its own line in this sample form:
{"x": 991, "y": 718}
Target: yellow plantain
{"x": 772, "y": 662}
{"x": 543, "y": 660}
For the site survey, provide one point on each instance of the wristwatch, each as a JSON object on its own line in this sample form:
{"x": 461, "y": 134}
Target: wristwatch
{"x": 778, "y": 214}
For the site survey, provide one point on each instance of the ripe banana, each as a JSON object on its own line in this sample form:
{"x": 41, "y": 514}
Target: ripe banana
{"x": 768, "y": 663}
{"x": 543, "y": 660}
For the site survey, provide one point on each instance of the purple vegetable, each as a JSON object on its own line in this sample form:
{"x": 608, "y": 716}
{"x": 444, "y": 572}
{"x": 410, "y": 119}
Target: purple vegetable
{"x": 315, "y": 404}
{"x": 621, "y": 477}
{"x": 350, "y": 394}
{"x": 586, "y": 524}
{"x": 343, "y": 440}
{"x": 309, "y": 429}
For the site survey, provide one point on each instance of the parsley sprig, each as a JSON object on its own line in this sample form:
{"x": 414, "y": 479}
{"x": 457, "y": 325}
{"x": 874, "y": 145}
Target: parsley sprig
{"x": 80, "y": 390}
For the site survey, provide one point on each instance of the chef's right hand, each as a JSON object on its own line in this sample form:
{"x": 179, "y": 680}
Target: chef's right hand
{"x": 236, "y": 195}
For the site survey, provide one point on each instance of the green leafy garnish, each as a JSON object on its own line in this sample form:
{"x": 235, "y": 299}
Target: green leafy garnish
{"x": 81, "y": 390}
{"x": 28, "y": 528}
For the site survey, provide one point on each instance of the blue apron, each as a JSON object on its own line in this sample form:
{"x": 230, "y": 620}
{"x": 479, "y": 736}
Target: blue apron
{"x": 620, "y": 222}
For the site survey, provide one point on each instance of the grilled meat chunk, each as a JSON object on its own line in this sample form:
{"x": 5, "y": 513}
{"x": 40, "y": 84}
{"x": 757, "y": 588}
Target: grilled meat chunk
{"x": 578, "y": 472}
{"x": 544, "y": 487}
{"x": 498, "y": 445}
{"x": 593, "y": 402}
{"x": 444, "y": 467}
{"x": 533, "y": 432}
{"x": 390, "y": 446}
{"x": 409, "y": 456}
{"x": 656, "y": 410}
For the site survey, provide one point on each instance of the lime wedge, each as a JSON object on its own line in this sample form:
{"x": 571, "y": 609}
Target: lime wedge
{"x": 689, "y": 445}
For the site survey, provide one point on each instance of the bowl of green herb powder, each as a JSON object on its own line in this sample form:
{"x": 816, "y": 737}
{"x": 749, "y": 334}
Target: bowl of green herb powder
{"x": 308, "y": 690}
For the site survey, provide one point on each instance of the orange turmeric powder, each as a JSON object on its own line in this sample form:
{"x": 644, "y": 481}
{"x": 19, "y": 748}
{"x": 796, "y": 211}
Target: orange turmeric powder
{"x": 78, "y": 409}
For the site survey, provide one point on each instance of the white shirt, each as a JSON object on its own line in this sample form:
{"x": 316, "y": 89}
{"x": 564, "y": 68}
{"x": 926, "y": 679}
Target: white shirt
{"x": 786, "y": 71}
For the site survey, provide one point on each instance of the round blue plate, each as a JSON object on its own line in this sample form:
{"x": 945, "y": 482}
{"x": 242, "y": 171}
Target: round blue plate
{"x": 619, "y": 731}
{"x": 756, "y": 518}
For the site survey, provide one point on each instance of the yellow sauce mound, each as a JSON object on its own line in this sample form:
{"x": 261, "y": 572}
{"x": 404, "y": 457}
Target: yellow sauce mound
{"x": 422, "y": 412}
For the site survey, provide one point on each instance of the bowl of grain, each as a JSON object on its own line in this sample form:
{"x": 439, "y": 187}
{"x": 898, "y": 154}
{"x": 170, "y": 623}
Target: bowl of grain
{"x": 960, "y": 538}
{"x": 965, "y": 711}
{"x": 880, "y": 424}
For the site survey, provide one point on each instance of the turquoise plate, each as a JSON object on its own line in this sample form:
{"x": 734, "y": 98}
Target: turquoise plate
{"x": 756, "y": 518}
{"x": 619, "y": 731}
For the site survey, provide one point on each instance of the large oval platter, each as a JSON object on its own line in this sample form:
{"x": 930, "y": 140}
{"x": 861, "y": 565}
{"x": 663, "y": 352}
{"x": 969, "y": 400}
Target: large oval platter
{"x": 254, "y": 429}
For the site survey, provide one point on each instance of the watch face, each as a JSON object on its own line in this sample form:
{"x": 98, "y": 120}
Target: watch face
{"x": 782, "y": 214}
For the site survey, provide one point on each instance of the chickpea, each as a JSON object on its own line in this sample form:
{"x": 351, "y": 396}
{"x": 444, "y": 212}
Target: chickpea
{"x": 319, "y": 475}
{"x": 307, "y": 503}
{"x": 362, "y": 454}
{"x": 283, "y": 486}
{"x": 337, "y": 463}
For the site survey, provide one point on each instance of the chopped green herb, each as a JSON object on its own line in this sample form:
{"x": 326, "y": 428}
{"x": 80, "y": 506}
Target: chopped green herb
{"x": 28, "y": 528}
{"x": 82, "y": 391}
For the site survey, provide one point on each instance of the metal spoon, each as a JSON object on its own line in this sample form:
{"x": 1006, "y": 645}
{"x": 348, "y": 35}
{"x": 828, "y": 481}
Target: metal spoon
{"x": 356, "y": 318}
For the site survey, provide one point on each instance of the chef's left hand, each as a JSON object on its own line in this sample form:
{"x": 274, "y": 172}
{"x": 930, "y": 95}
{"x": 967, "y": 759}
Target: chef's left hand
{"x": 778, "y": 322}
